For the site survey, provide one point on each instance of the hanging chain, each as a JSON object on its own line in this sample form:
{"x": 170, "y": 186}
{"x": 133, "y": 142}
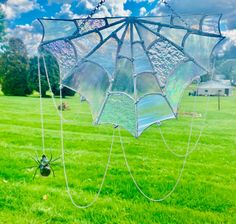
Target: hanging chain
{"x": 41, "y": 106}
{"x": 174, "y": 12}
{"x": 81, "y": 26}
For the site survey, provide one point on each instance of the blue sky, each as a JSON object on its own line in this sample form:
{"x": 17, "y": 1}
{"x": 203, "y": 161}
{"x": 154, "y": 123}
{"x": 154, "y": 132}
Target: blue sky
{"x": 22, "y": 14}
{"x": 52, "y": 9}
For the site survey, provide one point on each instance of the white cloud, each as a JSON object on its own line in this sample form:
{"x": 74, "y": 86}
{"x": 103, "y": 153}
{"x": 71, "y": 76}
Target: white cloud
{"x": 59, "y": 1}
{"x": 66, "y": 12}
{"x": 110, "y": 8}
{"x": 116, "y": 8}
{"x": 28, "y": 36}
{"x": 142, "y": 11}
{"x": 86, "y": 4}
{"x": 231, "y": 34}
{"x": 230, "y": 40}
{"x": 138, "y": 1}
{"x": 13, "y": 9}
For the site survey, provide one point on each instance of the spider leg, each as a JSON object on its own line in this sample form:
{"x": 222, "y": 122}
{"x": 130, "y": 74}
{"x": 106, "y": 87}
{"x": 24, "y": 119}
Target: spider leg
{"x": 55, "y": 159}
{"x": 55, "y": 164}
{"x": 52, "y": 171}
{"x": 28, "y": 167}
{"x": 36, "y": 160}
{"x": 51, "y": 155}
{"x": 35, "y": 172}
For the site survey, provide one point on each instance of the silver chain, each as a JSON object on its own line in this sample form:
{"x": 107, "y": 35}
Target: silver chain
{"x": 41, "y": 106}
{"x": 98, "y": 6}
{"x": 174, "y": 12}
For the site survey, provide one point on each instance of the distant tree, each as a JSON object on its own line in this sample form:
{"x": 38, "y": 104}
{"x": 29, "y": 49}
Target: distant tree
{"x": 53, "y": 73}
{"x": 205, "y": 78}
{"x": 67, "y": 92}
{"x": 2, "y": 27}
{"x": 228, "y": 68}
{"x": 2, "y": 34}
{"x": 14, "y": 66}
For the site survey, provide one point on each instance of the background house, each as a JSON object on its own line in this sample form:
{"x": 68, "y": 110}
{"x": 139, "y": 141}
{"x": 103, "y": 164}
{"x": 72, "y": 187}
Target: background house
{"x": 215, "y": 88}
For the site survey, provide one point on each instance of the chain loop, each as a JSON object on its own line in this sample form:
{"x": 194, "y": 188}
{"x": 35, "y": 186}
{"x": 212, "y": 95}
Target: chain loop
{"x": 98, "y": 6}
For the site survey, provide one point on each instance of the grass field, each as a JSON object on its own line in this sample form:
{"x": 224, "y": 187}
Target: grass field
{"x": 206, "y": 193}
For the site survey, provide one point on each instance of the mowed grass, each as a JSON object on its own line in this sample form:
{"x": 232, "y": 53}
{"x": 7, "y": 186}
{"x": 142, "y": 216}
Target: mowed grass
{"x": 205, "y": 194}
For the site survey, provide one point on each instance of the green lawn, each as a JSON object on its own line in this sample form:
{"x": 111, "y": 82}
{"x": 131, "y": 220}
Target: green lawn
{"x": 206, "y": 193}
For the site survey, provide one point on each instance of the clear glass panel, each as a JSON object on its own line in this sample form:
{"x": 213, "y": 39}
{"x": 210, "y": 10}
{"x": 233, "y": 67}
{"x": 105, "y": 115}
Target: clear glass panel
{"x": 193, "y": 21}
{"x": 147, "y": 36}
{"x": 165, "y": 58}
{"x": 158, "y": 19}
{"x": 211, "y": 24}
{"x": 135, "y": 34}
{"x": 126, "y": 45}
{"x": 55, "y": 29}
{"x": 108, "y": 31}
{"x": 120, "y": 33}
{"x": 151, "y": 109}
{"x": 106, "y": 55}
{"x": 91, "y": 81}
{"x": 152, "y": 27}
{"x": 85, "y": 44}
{"x": 141, "y": 61}
{"x": 164, "y": 19}
{"x": 123, "y": 77}
{"x": 147, "y": 83}
{"x": 182, "y": 77}
{"x": 120, "y": 110}
{"x": 114, "y": 20}
{"x": 174, "y": 35}
{"x": 200, "y": 48}
{"x": 65, "y": 54}
{"x": 91, "y": 24}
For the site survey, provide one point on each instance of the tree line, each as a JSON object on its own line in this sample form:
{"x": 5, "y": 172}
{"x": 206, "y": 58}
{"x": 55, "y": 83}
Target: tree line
{"x": 19, "y": 72}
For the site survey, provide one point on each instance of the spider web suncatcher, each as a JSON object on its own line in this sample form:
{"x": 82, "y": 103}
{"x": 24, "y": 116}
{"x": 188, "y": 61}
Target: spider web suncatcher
{"x": 132, "y": 70}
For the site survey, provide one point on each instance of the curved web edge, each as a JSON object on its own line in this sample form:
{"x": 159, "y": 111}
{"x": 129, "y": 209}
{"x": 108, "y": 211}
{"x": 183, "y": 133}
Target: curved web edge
{"x": 204, "y": 41}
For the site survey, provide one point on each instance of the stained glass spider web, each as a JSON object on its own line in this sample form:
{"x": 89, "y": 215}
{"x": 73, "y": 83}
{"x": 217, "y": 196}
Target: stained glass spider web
{"x": 132, "y": 70}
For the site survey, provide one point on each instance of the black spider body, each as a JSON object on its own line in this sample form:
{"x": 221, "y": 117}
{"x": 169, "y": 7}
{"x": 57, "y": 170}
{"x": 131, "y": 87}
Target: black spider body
{"x": 45, "y": 170}
{"x": 44, "y": 165}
